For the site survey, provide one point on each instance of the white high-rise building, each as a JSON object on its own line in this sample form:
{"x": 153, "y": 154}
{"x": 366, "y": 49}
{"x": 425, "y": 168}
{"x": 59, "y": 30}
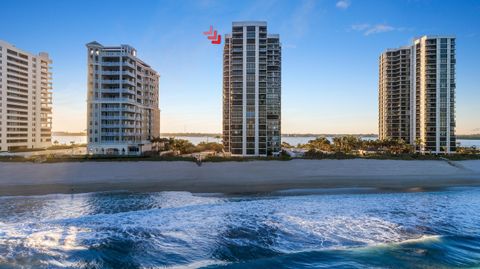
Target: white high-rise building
{"x": 252, "y": 90}
{"x": 25, "y": 99}
{"x": 417, "y": 94}
{"x": 123, "y": 97}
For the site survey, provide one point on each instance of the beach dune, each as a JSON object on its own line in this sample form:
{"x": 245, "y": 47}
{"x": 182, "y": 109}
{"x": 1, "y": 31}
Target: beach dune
{"x": 234, "y": 177}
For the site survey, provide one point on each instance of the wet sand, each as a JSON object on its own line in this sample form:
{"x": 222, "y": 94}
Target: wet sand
{"x": 234, "y": 177}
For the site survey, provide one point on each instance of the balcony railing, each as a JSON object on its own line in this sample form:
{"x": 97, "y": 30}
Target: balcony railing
{"x": 114, "y": 109}
{"x": 116, "y": 100}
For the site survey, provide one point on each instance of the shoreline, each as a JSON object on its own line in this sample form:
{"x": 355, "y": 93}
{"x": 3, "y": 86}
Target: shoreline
{"x": 235, "y": 177}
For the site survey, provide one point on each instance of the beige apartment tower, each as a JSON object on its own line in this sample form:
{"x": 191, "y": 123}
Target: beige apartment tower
{"x": 417, "y": 94}
{"x": 122, "y": 101}
{"x": 25, "y": 99}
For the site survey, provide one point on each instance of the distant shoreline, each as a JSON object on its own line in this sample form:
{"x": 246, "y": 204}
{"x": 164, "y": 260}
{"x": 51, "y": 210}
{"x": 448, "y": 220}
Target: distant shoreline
{"x": 234, "y": 177}
{"x": 215, "y": 135}
{"x": 69, "y": 134}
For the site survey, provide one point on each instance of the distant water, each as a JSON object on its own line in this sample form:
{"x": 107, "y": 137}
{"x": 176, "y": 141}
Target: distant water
{"x": 182, "y": 230}
{"x": 67, "y": 140}
{"x": 302, "y": 140}
{"x": 196, "y": 140}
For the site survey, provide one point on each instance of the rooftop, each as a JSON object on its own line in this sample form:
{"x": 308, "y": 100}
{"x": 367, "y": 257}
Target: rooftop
{"x": 249, "y": 23}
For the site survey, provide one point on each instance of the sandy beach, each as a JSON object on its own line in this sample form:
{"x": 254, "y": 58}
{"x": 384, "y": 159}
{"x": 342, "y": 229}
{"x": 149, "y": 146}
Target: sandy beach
{"x": 234, "y": 177}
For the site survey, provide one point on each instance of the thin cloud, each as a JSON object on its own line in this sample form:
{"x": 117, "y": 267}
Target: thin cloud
{"x": 343, "y": 4}
{"x": 301, "y": 17}
{"x": 368, "y": 29}
{"x": 379, "y": 28}
{"x": 360, "y": 27}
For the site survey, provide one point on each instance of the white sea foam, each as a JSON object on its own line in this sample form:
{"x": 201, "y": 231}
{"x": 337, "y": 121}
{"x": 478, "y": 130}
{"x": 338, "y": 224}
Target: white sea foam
{"x": 194, "y": 227}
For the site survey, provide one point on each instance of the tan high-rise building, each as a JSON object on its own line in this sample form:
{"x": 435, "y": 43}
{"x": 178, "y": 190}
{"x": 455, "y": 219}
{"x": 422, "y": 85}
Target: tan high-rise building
{"x": 427, "y": 70}
{"x": 122, "y": 101}
{"x": 25, "y": 99}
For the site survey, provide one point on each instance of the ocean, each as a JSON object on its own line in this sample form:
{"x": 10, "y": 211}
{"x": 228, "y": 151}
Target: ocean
{"x": 277, "y": 230}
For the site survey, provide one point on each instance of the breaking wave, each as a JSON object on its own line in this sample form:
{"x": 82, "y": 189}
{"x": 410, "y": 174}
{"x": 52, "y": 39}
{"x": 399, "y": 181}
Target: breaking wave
{"x": 183, "y": 230}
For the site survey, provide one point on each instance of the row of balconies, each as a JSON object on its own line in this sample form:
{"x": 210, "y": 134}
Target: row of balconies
{"x": 16, "y": 60}
{"x": 118, "y": 90}
{"x": 122, "y": 117}
{"x": 17, "y": 67}
{"x": 124, "y": 72}
{"x": 16, "y": 72}
{"x": 122, "y": 134}
{"x": 121, "y": 125}
{"x": 17, "y": 84}
{"x": 119, "y": 63}
{"x": 119, "y": 109}
{"x": 116, "y": 100}
{"x": 117, "y": 81}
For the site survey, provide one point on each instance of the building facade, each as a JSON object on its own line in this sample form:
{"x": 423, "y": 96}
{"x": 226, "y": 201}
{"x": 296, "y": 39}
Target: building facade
{"x": 25, "y": 99}
{"x": 252, "y": 91}
{"x": 430, "y": 66}
{"x": 122, "y": 101}
{"x": 394, "y": 94}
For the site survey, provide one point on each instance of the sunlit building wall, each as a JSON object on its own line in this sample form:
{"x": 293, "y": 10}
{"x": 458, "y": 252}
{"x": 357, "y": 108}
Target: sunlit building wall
{"x": 428, "y": 71}
{"x": 122, "y": 101}
{"x": 435, "y": 85}
{"x": 25, "y": 99}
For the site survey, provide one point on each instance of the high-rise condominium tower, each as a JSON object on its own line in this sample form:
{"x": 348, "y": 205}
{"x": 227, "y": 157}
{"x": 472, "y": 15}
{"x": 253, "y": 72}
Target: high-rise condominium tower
{"x": 25, "y": 99}
{"x": 252, "y": 91}
{"x": 422, "y": 76}
{"x": 394, "y": 94}
{"x": 123, "y": 113}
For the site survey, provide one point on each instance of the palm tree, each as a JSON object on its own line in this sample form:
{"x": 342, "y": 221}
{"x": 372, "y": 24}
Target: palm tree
{"x": 421, "y": 145}
{"x": 182, "y": 145}
{"x": 347, "y": 143}
{"x": 212, "y": 146}
{"x": 286, "y": 145}
{"x": 320, "y": 143}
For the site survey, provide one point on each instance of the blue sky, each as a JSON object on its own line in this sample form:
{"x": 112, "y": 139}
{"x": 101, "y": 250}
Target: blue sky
{"x": 330, "y": 54}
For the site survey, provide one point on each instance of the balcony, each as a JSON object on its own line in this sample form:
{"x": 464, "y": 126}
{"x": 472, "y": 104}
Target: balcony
{"x": 116, "y": 100}
{"x": 110, "y": 133}
{"x": 120, "y": 125}
{"x": 118, "y": 90}
{"x": 128, "y": 82}
{"x": 110, "y": 63}
{"x": 130, "y": 109}
{"x": 128, "y": 64}
{"x": 121, "y": 117}
{"x": 111, "y": 109}
{"x": 110, "y": 81}
{"x": 111, "y": 72}
{"x": 132, "y": 134}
